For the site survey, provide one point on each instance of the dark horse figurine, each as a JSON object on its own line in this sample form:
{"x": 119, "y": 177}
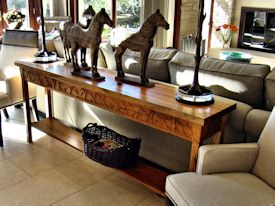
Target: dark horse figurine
{"x": 89, "y": 14}
{"x": 90, "y": 38}
{"x": 141, "y": 41}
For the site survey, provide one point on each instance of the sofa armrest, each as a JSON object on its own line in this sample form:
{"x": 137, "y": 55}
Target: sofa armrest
{"x": 227, "y": 158}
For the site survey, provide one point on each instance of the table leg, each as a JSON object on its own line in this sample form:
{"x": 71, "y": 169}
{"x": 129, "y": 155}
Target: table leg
{"x": 199, "y": 133}
{"x": 48, "y": 105}
{"x": 26, "y": 107}
{"x": 218, "y": 137}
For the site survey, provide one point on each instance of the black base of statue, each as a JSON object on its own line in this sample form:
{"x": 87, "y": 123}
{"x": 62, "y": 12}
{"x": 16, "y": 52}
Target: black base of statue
{"x": 198, "y": 96}
{"x": 88, "y": 75}
{"x": 134, "y": 81}
{"x": 45, "y": 56}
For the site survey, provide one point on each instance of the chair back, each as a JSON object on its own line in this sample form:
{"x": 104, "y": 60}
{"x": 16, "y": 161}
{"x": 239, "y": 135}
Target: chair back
{"x": 265, "y": 165}
{"x": 16, "y": 45}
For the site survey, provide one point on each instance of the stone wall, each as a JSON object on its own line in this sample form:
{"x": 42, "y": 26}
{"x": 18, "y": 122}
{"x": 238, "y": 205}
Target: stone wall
{"x": 189, "y": 17}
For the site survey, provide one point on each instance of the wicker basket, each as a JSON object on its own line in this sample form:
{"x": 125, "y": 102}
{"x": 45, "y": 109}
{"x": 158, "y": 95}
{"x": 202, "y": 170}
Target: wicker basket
{"x": 108, "y": 147}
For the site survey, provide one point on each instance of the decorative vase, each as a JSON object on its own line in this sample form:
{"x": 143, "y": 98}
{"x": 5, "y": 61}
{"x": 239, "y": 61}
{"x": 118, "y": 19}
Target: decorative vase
{"x": 15, "y": 25}
{"x": 226, "y": 44}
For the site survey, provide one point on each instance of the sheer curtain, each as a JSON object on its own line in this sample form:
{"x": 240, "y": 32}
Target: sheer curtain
{"x": 167, "y": 8}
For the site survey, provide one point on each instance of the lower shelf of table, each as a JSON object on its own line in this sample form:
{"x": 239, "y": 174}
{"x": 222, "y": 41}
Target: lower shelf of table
{"x": 143, "y": 172}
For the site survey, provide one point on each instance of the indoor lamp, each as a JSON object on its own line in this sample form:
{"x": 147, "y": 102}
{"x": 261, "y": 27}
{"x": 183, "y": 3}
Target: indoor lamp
{"x": 195, "y": 93}
{"x": 44, "y": 56}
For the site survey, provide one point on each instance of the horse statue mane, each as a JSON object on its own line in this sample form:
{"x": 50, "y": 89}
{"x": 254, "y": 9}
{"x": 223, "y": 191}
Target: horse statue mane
{"x": 90, "y": 38}
{"x": 141, "y": 41}
{"x": 64, "y": 33}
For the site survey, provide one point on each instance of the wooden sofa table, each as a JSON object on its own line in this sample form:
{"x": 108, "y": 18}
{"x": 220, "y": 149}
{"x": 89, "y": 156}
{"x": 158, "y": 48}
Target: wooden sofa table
{"x": 155, "y": 107}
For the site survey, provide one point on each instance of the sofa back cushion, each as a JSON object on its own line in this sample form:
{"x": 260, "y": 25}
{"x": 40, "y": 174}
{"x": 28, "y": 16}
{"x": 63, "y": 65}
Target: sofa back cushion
{"x": 264, "y": 167}
{"x": 240, "y": 81}
{"x": 157, "y": 66}
{"x": 269, "y": 90}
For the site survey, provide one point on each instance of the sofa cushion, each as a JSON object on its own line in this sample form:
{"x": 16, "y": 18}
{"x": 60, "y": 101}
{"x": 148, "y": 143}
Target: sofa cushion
{"x": 108, "y": 55}
{"x": 239, "y": 189}
{"x": 270, "y": 91}
{"x": 58, "y": 44}
{"x": 254, "y": 124}
{"x": 265, "y": 167}
{"x": 239, "y": 81}
{"x": 157, "y": 67}
{"x": 49, "y": 40}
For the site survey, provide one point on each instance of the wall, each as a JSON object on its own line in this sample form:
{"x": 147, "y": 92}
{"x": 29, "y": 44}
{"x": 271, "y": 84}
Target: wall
{"x": 248, "y": 3}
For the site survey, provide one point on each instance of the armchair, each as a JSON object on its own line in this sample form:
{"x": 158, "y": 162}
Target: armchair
{"x": 233, "y": 174}
{"x": 16, "y": 45}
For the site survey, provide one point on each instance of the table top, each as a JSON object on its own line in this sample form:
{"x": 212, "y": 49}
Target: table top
{"x": 160, "y": 98}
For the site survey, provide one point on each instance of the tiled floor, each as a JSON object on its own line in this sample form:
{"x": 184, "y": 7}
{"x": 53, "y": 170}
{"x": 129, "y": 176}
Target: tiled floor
{"x": 49, "y": 172}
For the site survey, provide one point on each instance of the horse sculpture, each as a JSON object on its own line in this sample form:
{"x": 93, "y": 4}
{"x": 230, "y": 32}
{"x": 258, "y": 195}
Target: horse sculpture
{"x": 89, "y": 14}
{"x": 141, "y": 41}
{"x": 91, "y": 38}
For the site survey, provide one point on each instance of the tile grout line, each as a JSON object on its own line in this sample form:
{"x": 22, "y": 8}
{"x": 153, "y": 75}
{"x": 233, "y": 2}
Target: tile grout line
{"x": 80, "y": 189}
{"x": 29, "y": 177}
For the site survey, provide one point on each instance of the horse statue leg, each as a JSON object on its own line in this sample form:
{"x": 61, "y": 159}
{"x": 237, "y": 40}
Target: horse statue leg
{"x": 83, "y": 57}
{"x": 74, "y": 50}
{"x": 67, "y": 53}
{"x": 64, "y": 41}
{"x": 118, "y": 56}
{"x": 143, "y": 64}
{"x": 94, "y": 57}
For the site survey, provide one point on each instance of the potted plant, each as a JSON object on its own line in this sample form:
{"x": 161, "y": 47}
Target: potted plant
{"x": 14, "y": 19}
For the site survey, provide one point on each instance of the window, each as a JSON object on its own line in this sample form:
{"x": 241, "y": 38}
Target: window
{"x": 128, "y": 13}
{"x": 97, "y": 5}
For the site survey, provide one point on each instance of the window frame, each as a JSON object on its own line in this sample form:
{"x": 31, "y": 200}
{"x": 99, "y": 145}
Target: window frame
{"x": 177, "y": 17}
{"x": 3, "y": 9}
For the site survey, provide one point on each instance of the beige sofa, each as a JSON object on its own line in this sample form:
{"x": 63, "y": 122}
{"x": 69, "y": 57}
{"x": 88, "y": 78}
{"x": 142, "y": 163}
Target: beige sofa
{"x": 250, "y": 85}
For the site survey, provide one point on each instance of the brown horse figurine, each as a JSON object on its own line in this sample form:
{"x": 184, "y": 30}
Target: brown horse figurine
{"x": 90, "y": 38}
{"x": 141, "y": 41}
{"x": 89, "y": 14}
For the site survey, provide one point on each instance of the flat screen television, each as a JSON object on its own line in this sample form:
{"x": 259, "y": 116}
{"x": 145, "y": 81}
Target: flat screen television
{"x": 257, "y": 29}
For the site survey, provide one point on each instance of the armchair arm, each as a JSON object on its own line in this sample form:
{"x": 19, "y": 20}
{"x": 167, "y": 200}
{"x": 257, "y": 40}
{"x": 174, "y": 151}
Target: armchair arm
{"x": 227, "y": 158}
